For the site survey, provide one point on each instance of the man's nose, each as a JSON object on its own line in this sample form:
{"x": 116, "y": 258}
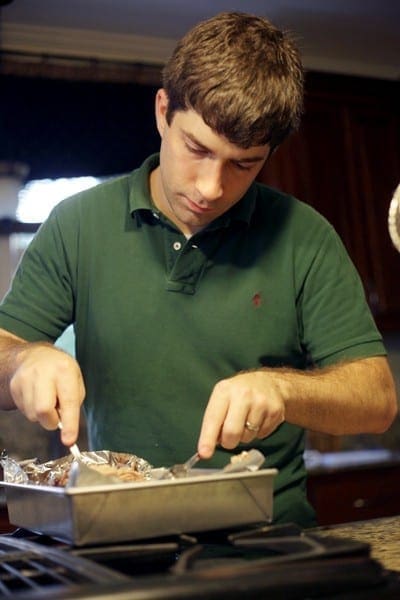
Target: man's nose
{"x": 209, "y": 181}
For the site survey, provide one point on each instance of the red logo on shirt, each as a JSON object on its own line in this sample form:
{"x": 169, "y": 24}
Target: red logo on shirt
{"x": 256, "y": 300}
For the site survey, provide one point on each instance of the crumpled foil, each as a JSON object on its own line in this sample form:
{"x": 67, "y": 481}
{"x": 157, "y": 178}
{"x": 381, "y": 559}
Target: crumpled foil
{"x": 67, "y": 471}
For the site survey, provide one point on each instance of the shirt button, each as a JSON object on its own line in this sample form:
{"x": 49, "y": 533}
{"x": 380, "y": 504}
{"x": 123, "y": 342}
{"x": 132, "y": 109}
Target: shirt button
{"x": 177, "y": 246}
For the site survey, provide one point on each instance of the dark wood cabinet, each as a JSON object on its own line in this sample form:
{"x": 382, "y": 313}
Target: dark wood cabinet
{"x": 5, "y": 526}
{"x": 345, "y": 161}
{"x": 355, "y": 494}
{"x": 374, "y": 175}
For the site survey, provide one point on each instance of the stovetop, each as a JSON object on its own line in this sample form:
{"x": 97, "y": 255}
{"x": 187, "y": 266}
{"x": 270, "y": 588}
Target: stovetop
{"x": 281, "y": 561}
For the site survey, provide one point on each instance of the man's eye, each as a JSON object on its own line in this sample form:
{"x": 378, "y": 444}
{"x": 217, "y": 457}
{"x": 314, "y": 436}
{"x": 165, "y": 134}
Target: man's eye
{"x": 194, "y": 150}
{"x": 243, "y": 166}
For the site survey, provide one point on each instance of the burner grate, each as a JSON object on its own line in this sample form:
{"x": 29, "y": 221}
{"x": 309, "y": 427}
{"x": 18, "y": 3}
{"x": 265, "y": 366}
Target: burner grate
{"x": 280, "y": 561}
{"x": 25, "y": 566}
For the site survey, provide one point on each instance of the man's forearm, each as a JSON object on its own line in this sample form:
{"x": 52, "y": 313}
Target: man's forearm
{"x": 348, "y": 398}
{"x": 10, "y": 346}
{"x": 43, "y": 382}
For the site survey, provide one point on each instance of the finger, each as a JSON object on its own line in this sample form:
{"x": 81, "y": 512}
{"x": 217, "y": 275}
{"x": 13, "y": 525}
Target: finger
{"x": 35, "y": 399}
{"x": 266, "y": 425}
{"x": 233, "y": 426}
{"x": 44, "y": 400}
{"x": 70, "y": 395}
{"x": 213, "y": 420}
{"x": 251, "y": 429}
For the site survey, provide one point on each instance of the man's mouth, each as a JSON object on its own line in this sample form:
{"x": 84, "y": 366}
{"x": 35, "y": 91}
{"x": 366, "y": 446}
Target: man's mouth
{"x": 196, "y": 208}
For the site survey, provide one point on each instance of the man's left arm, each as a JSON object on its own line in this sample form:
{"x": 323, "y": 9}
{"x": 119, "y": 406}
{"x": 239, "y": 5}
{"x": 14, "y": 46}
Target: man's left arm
{"x": 351, "y": 397}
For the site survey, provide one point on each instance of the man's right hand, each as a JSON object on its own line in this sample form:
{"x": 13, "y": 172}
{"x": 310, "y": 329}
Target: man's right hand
{"x": 45, "y": 384}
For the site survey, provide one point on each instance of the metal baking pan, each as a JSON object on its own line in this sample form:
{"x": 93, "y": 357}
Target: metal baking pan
{"x": 130, "y": 511}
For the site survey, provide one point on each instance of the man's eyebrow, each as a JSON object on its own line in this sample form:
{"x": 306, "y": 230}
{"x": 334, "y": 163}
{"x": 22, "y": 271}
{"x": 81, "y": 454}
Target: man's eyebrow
{"x": 245, "y": 159}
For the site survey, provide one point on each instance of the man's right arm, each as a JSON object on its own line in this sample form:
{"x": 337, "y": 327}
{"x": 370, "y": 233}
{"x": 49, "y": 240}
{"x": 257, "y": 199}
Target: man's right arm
{"x": 10, "y": 345}
{"x": 43, "y": 382}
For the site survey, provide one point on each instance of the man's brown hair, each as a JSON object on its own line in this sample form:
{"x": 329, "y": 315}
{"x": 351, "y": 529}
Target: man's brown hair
{"x": 242, "y": 75}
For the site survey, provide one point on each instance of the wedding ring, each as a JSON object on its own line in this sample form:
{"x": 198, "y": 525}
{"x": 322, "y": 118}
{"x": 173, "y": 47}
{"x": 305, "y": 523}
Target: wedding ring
{"x": 251, "y": 427}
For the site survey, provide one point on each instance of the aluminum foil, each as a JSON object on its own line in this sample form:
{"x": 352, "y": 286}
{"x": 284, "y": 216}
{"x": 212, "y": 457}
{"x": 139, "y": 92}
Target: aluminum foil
{"x": 67, "y": 471}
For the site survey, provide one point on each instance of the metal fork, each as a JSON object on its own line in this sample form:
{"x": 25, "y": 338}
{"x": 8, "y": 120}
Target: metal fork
{"x": 74, "y": 449}
{"x": 181, "y": 469}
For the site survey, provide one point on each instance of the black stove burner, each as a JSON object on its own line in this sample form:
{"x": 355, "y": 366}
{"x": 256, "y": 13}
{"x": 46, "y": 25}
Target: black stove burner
{"x": 283, "y": 561}
{"x": 27, "y": 568}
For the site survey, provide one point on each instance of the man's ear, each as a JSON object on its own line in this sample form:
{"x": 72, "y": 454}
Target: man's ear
{"x": 161, "y": 106}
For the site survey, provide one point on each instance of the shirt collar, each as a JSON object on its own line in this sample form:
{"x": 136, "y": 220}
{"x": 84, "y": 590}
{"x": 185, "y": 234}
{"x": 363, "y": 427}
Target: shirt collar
{"x": 139, "y": 185}
{"x": 140, "y": 199}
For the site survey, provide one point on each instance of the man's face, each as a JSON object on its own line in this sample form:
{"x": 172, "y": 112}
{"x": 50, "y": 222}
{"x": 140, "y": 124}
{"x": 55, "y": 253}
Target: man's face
{"x": 201, "y": 173}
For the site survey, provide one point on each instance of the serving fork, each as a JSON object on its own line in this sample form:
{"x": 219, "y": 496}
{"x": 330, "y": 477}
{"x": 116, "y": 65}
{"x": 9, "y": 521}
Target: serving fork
{"x": 74, "y": 450}
{"x": 182, "y": 469}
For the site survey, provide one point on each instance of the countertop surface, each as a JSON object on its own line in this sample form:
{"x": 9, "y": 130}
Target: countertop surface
{"x": 325, "y": 462}
{"x": 383, "y": 535}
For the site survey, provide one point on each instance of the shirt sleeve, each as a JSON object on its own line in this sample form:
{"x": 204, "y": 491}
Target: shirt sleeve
{"x": 40, "y": 302}
{"x": 336, "y": 321}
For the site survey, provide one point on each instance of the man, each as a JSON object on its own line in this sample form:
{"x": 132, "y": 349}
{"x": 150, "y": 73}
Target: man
{"x": 206, "y": 306}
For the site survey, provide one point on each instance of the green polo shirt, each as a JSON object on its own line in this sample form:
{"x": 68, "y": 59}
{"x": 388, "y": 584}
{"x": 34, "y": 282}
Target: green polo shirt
{"x": 159, "y": 319}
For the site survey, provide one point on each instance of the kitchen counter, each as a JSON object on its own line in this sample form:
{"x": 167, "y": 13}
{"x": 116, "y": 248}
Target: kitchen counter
{"x": 383, "y": 535}
{"x": 330, "y": 462}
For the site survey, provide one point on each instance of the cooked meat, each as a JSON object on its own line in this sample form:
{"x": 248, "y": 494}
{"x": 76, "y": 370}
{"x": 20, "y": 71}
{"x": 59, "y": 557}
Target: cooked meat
{"x": 125, "y": 473}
